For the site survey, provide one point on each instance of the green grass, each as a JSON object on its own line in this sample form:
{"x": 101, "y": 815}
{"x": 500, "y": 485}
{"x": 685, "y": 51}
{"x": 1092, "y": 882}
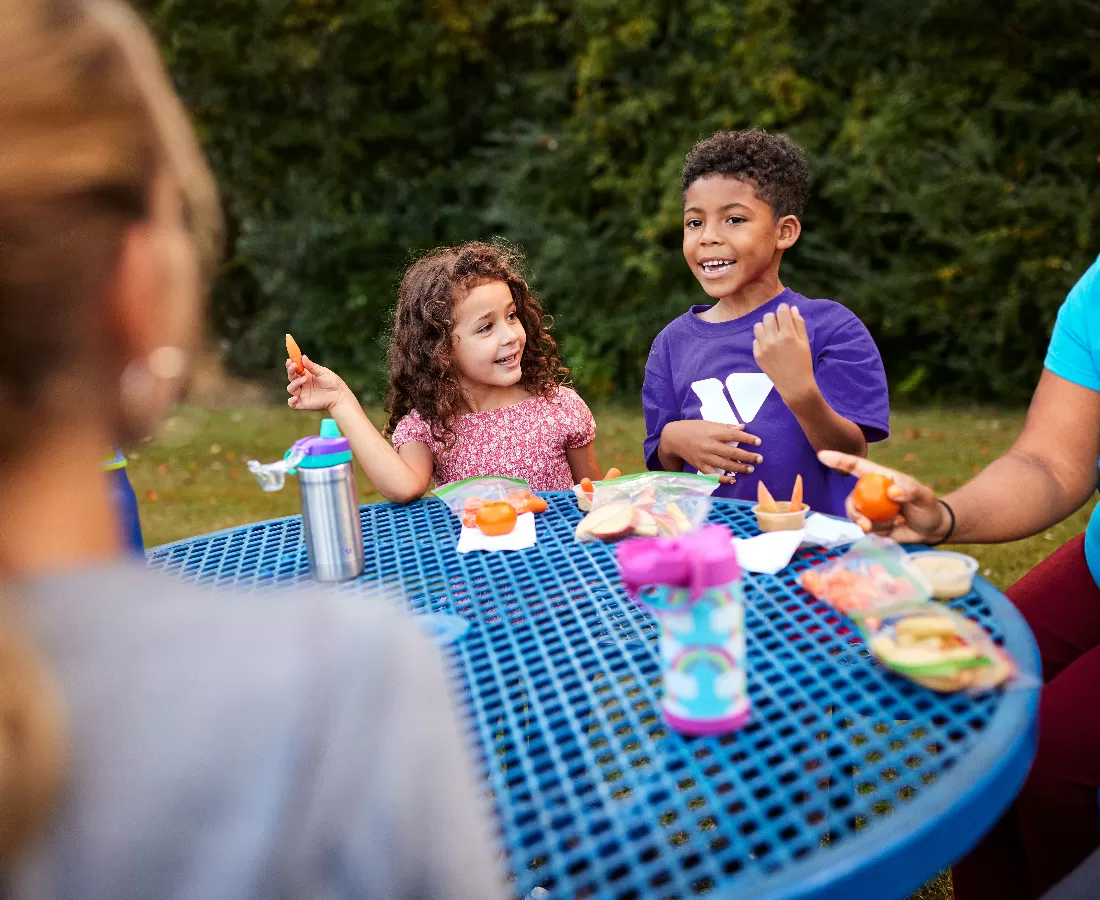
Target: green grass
{"x": 192, "y": 479}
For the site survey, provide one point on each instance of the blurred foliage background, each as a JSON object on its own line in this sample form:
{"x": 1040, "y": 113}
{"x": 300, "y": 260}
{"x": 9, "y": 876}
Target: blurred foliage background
{"x": 953, "y": 146}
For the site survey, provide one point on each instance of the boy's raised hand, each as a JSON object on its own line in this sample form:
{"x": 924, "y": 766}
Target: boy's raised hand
{"x": 782, "y": 350}
{"x": 317, "y": 388}
{"x": 706, "y": 446}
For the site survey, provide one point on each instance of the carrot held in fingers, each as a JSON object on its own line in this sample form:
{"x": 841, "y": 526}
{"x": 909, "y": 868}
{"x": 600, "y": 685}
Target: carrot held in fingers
{"x": 295, "y": 354}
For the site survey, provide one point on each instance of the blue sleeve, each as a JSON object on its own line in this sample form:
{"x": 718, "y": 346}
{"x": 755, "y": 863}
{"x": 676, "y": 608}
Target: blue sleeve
{"x": 658, "y": 400}
{"x": 852, "y": 379}
{"x": 1071, "y": 354}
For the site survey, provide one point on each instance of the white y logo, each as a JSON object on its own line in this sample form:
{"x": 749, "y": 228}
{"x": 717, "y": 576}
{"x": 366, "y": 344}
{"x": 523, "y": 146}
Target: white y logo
{"x": 748, "y": 390}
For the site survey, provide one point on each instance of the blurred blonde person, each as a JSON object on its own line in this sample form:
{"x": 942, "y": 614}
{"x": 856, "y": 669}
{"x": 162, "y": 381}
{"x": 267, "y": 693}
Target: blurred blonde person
{"x": 160, "y": 742}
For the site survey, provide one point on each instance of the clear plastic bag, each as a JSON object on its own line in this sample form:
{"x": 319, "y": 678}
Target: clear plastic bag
{"x": 464, "y": 498}
{"x": 874, "y": 577}
{"x": 650, "y": 504}
{"x": 938, "y": 648}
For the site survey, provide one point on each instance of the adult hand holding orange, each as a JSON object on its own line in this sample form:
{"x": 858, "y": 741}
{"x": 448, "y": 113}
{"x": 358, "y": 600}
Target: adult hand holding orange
{"x": 920, "y": 519}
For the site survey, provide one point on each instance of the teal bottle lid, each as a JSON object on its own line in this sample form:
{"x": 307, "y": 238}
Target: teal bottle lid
{"x": 329, "y": 448}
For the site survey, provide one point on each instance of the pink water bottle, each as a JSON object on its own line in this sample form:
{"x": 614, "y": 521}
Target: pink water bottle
{"x": 692, "y": 585}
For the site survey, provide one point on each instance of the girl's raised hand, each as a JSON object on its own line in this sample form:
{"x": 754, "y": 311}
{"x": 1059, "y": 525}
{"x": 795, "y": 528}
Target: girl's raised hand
{"x": 922, "y": 518}
{"x": 317, "y": 388}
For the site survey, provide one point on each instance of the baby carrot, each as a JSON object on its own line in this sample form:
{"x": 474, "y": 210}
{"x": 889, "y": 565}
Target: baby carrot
{"x": 765, "y": 499}
{"x": 295, "y": 354}
{"x": 796, "y": 494}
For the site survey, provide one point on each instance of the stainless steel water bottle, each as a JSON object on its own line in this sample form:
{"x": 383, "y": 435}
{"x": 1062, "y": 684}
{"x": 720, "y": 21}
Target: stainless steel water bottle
{"x": 330, "y": 505}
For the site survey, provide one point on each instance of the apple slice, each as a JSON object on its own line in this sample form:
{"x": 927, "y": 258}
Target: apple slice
{"x": 608, "y": 523}
{"x": 645, "y": 525}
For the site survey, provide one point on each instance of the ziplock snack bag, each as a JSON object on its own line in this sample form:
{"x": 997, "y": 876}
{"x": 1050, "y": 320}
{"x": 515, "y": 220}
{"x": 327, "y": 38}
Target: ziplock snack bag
{"x": 649, "y": 504}
{"x": 464, "y": 498}
{"x": 938, "y": 648}
{"x": 874, "y": 577}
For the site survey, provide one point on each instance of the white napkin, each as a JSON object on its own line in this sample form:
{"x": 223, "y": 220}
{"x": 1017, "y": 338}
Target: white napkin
{"x": 519, "y": 538}
{"x": 825, "y": 531}
{"x": 769, "y": 553}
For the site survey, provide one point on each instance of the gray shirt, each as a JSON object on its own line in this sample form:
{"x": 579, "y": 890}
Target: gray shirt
{"x": 250, "y": 746}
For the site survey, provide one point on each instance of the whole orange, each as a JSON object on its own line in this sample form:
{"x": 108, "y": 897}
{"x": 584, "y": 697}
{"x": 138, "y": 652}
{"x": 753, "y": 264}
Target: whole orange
{"x": 871, "y": 500}
{"x": 496, "y": 517}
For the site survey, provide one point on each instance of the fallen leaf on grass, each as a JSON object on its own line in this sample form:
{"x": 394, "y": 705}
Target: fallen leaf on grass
{"x": 151, "y": 496}
{"x": 163, "y": 468}
{"x": 909, "y": 458}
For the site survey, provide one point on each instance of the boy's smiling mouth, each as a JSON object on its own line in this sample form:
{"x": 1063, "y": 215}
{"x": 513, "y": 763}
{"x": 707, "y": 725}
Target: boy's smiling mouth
{"x": 716, "y": 268}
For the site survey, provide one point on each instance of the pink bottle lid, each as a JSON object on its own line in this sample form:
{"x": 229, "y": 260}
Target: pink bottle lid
{"x": 699, "y": 561}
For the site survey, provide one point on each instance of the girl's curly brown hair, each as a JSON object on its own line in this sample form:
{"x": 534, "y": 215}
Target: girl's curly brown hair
{"x": 423, "y": 375}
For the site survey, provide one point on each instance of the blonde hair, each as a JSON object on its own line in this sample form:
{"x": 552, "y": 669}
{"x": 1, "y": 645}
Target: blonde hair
{"x": 88, "y": 119}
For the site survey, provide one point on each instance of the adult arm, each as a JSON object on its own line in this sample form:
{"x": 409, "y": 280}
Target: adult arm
{"x": 1049, "y": 473}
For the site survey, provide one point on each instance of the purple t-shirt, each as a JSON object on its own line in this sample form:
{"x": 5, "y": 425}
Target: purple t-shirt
{"x": 706, "y": 370}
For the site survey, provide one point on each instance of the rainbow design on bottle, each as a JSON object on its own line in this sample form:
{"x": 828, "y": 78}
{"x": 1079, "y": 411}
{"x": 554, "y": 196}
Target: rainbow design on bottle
{"x": 692, "y": 585}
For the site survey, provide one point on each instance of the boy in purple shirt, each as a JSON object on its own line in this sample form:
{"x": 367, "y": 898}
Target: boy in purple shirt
{"x": 755, "y": 385}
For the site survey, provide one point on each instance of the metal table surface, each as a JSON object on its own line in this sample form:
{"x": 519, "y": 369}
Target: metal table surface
{"x": 849, "y": 781}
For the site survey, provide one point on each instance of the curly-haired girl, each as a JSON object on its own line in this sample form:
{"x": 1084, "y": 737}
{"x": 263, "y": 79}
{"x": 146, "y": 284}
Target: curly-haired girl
{"x": 475, "y": 384}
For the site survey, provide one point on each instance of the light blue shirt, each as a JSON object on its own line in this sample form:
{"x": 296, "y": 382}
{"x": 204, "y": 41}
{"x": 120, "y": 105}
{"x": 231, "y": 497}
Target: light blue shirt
{"x": 1074, "y": 354}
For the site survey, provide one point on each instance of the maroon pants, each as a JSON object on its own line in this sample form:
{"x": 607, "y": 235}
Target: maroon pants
{"x": 1053, "y": 825}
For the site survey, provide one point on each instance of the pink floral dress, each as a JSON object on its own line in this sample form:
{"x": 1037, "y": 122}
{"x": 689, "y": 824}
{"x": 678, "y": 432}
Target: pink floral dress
{"x": 527, "y": 440}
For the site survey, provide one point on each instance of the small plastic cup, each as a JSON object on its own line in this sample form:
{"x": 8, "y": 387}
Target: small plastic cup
{"x": 786, "y": 519}
{"x": 949, "y": 575}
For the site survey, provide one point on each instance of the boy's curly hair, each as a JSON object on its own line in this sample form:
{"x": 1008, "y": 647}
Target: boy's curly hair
{"x": 423, "y": 375}
{"x": 772, "y": 162}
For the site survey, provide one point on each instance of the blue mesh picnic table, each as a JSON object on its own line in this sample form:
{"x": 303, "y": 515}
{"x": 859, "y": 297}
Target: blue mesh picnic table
{"x": 849, "y": 782}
